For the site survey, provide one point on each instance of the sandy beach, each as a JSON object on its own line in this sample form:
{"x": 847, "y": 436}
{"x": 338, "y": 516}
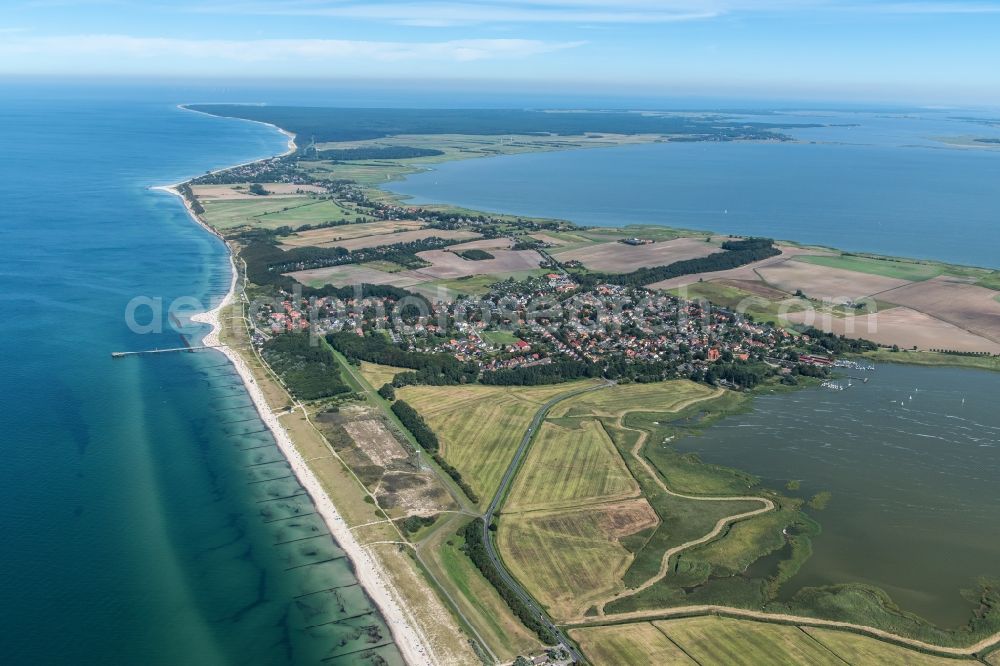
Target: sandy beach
{"x": 410, "y": 641}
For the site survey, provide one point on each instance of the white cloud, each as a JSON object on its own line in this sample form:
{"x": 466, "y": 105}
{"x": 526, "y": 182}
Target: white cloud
{"x": 464, "y": 12}
{"x": 930, "y": 8}
{"x": 71, "y": 47}
{"x": 445, "y": 13}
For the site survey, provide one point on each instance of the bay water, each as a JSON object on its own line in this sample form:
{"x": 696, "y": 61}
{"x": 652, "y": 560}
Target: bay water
{"x": 911, "y": 459}
{"x": 872, "y": 182}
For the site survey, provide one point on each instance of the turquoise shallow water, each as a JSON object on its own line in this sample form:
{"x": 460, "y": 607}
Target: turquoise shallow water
{"x": 882, "y": 186}
{"x": 147, "y": 517}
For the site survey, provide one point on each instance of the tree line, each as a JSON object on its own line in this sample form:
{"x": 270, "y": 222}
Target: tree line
{"x": 426, "y": 437}
{"x": 549, "y": 373}
{"x": 735, "y": 254}
{"x": 476, "y": 550}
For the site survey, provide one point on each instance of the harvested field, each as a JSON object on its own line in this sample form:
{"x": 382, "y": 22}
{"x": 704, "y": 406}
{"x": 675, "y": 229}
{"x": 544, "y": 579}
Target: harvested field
{"x": 274, "y": 212}
{"x": 376, "y": 441}
{"x": 900, "y": 326}
{"x": 352, "y": 274}
{"x": 616, "y": 400}
{"x": 617, "y": 257}
{"x": 569, "y": 559}
{"x": 824, "y": 283}
{"x": 377, "y": 375}
{"x": 953, "y": 300}
{"x": 716, "y": 640}
{"x": 241, "y": 191}
{"x": 548, "y": 238}
{"x": 229, "y": 214}
{"x": 479, "y": 427}
{"x": 327, "y": 235}
{"x": 387, "y": 238}
{"x": 856, "y": 649}
{"x": 483, "y": 244}
{"x": 740, "y": 642}
{"x": 911, "y": 271}
{"x": 742, "y": 273}
{"x": 755, "y": 287}
{"x": 567, "y": 466}
{"x": 639, "y": 643}
{"x": 450, "y": 265}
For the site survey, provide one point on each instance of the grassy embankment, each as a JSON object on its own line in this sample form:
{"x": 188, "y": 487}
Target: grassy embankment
{"x": 934, "y": 359}
{"x": 714, "y": 641}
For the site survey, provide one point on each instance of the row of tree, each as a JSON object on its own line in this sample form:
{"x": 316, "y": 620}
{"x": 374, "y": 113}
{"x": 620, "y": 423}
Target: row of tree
{"x": 549, "y": 373}
{"x": 735, "y": 253}
{"x": 426, "y": 438}
{"x": 476, "y": 550}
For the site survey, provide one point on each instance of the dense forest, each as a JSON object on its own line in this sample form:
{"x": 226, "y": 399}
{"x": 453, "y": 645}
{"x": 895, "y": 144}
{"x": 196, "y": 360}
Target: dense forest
{"x": 309, "y": 370}
{"x": 332, "y": 124}
{"x": 301, "y": 258}
{"x": 549, "y": 373}
{"x": 823, "y": 342}
{"x": 428, "y": 368}
{"x": 474, "y": 254}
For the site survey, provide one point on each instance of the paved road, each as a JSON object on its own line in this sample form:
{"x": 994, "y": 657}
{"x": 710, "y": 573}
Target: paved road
{"x": 505, "y": 482}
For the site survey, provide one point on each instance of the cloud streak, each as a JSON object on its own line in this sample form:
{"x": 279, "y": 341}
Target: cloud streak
{"x": 276, "y": 50}
{"x": 433, "y": 13}
{"x": 459, "y": 12}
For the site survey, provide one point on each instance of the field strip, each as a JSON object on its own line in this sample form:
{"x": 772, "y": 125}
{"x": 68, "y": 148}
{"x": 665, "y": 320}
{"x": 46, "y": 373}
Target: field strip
{"x": 721, "y": 525}
{"x": 782, "y": 618}
{"x": 916, "y": 308}
{"x": 572, "y": 505}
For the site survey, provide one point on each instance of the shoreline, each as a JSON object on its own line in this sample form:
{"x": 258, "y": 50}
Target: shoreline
{"x": 412, "y": 645}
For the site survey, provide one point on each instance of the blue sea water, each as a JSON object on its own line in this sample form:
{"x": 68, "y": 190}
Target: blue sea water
{"x": 141, "y": 506}
{"x": 875, "y": 182}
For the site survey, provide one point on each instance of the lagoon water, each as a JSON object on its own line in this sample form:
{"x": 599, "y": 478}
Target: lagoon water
{"x": 140, "y": 521}
{"x": 912, "y": 460}
{"x": 867, "y": 182}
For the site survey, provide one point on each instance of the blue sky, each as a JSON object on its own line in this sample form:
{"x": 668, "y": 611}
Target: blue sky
{"x": 945, "y": 52}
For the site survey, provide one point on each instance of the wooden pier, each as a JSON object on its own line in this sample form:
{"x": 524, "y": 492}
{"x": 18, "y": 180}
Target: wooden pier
{"x": 121, "y": 354}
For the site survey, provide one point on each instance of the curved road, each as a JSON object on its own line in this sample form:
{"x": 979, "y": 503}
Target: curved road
{"x": 766, "y": 506}
{"x": 498, "y": 498}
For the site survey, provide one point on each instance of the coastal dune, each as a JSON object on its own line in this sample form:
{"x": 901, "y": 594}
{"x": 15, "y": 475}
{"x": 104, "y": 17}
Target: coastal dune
{"x": 412, "y": 644}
